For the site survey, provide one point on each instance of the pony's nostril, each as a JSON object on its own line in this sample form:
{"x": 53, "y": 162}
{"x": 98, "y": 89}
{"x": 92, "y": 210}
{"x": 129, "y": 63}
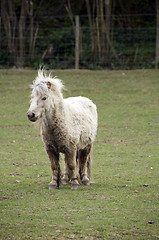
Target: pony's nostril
{"x": 31, "y": 115}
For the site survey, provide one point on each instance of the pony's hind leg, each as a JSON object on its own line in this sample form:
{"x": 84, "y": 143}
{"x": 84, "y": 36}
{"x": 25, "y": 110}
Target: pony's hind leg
{"x": 55, "y": 167}
{"x": 66, "y": 176}
{"x": 85, "y": 164}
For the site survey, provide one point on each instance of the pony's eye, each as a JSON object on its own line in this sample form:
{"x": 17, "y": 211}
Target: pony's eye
{"x": 44, "y": 98}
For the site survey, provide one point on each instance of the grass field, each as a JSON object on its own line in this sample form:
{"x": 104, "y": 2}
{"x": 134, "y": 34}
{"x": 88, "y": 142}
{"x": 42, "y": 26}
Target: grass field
{"x": 123, "y": 201}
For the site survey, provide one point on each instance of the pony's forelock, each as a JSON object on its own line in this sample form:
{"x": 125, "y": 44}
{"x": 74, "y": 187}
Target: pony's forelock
{"x": 40, "y": 83}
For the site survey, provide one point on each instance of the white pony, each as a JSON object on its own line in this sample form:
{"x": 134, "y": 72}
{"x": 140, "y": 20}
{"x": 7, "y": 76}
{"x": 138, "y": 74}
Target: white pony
{"x": 67, "y": 126}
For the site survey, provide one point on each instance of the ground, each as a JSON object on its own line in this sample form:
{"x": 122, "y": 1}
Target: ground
{"x": 123, "y": 200}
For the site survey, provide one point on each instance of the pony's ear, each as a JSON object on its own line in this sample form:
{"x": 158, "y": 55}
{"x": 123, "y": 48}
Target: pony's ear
{"x": 49, "y": 85}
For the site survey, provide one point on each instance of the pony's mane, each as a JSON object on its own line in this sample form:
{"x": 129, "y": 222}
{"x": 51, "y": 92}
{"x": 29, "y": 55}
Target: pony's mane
{"x": 39, "y": 85}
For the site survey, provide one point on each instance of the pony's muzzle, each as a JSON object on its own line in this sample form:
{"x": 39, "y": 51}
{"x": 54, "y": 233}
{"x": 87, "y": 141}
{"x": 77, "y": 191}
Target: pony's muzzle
{"x": 31, "y": 116}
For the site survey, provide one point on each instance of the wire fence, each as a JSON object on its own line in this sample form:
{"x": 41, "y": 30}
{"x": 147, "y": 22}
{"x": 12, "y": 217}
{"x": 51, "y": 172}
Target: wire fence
{"x": 131, "y": 43}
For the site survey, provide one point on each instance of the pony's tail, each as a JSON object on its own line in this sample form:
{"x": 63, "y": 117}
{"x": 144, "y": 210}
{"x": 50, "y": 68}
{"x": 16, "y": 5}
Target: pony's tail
{"x": 78, "y": 168}
{"x": 58, "y": 176}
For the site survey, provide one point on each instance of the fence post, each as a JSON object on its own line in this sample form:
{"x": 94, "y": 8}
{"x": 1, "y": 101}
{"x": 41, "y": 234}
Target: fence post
{"x": 77, "y": 34}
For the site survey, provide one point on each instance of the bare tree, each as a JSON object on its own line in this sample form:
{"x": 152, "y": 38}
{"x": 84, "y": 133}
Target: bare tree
{"x": 99, "y": 15}
{"x": 157, "y": 34}
{"x": 15, "y": 28}
{"x": 34, "y": 27}
{"x": 90, "y": 24}
{"x": 21, "y": 31}
{"x": 10, "y": 23}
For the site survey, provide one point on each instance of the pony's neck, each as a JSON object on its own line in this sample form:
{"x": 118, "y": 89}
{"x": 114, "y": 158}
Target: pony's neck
{"x": 56, "y": 112}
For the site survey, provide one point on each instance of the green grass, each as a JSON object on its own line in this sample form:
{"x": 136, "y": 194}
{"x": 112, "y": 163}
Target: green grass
{"x": 123, "y": 201}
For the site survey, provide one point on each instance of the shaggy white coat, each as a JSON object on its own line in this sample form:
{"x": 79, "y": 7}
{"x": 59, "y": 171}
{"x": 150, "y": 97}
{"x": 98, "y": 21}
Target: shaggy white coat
{"x": 65, "y": 124}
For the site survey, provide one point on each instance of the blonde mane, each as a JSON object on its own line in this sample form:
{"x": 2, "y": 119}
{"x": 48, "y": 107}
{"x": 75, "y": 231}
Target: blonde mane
{"x": 39, "y": 85}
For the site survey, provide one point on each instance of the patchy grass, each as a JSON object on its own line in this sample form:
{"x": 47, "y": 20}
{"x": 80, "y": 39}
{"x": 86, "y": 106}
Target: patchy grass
{"x": 123, "y": 201}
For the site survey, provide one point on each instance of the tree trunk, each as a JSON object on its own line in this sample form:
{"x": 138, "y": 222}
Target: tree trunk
{"x": 77, "y": 42}
{"x": 100, "y": 28}
{"x": 34, "y": 28}
{"x": 108, "y": 24}
{"x": 102, "y": 32}
{"x": 157, "y": 34}
{"x": 16, "y": 30}
{"x": 98, "y": 32}
{"x": 21, "y": 60}
{"x": 90, "y": 23}
{"x": 31, "y": 47}
{"x": 9, "y": 21}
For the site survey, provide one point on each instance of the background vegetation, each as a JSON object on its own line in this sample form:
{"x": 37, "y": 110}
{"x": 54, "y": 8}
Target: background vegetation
{"x": 114, "y": 34}
{"x": 123, "y": 201}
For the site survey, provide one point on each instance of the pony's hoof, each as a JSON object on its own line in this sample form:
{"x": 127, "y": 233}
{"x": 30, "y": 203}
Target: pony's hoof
{"x": 65, "y": 182}
{"x": 53, "y": 187}
{"x": 74, "y": 186}
{"x": 86, "y": 182}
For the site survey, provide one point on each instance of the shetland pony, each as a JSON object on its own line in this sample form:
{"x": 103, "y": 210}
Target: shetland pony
{"x": 67, "y": 126}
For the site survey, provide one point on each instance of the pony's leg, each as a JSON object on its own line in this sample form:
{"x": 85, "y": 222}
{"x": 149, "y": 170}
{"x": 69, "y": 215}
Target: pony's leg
{"x": 85, "y": 164}
{"x": 55, "y": 167}
{"x": 67, "y": 174}
{"x": 70, "y": 160}
{"x": 66, "y": 177}
{"x": 89, "y": 167}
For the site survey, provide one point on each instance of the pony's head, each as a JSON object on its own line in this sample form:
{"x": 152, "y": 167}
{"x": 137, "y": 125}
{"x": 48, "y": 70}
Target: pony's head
{"x": 45, "y": 91}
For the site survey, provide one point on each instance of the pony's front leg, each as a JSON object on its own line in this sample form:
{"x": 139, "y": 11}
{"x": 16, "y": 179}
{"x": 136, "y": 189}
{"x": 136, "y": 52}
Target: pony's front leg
{"x": 70, "y": 168}
{"x": 55, "y": 167}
